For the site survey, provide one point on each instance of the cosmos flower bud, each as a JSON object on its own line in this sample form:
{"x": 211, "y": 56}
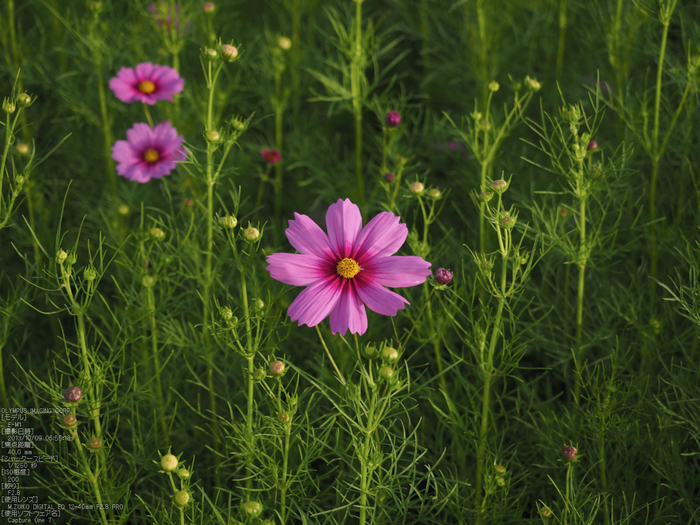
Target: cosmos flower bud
{"x": 252, "y": 509}
{"x": 493, "y": 86}
{"x": 500, "y": 470}
{"x": 211, "y": 54}
{"x": 148, "y": 281}
{"x": 95, "y": 443}
{"x": 370, "y": 352}
{"x": 212, "y": 135}
{"x": 259, "y": 305}
{"x": 271, "y": 156}
{"x": 228, "y": 221}
{"x": 70, "y": 420}
{"x": 386, "y": 373}
{"x": 24, "y": 100}
{"x": 157, "y": 234}
{"x": 251, "y": 234}
{"x": 389, "y": 177}
{"x": 569, "y": 453}
{"x": 209, "y": 7}
{"x": 532, "y": 84}
{"x": 416, "y": 188}
{"x": 9, "y": 106}
{"x": 545, "y": 512}
{"x": 392, "y": 119}
{"x": 61, "y": 256}
{"x": 507, "y": 222}
{"x": 485, "y": 196}
{"x": 123, "y": 209}
{"x": 229, "y": 52}
{"x": 169, "y": 462}
{"x": 390, "y": 355}
{"x": 592, "y": 146}
{"x": 277, "y": 368}
{"x": 226, "y": 313}
{"x": 90, "y": 273}
{"x": 499, "y": 186}
{"x": 434, "y": 194}
{"x": 283, "y": 417}
{"x": 73, "y": 394}
{"x": 22, "y": 148}
{"x": 182, "y": 498}
{"x": 442, "y": 276}
{"x": 285, "y": 43}
{"x": 259, "y": 375}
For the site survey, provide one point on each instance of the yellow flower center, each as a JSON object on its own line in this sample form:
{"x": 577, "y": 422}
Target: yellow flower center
{"x": 348, "y": 268}
{"x": 151, "y": 155}
{"x": 146, "y": 87}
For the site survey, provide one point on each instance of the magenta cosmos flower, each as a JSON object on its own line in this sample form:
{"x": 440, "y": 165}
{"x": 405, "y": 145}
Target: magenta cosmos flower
{"x": 271, "y": 156}
{"x": 147, "y": 83}
{"x": 346, "y": 269}
{"x": 148, "y": 153}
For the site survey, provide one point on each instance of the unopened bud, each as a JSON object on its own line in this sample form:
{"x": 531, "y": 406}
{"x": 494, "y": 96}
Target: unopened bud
{"x": 24, "y": 100}
{"x": 229, "y": 52}
{"x": 212, "y": 135}
{"x": 386, "y": 372}
{"x": 226, "y": 313}
{"x": 392, "y": 119}
{"x": 123, "y": 209}
{"x": 209, "y": 7}
{"x": 22, "y": 148}
{"x": 259, "y": 375}
{"x": 212, "y": 54}
{"x": 95, "y": 443}
{"x": 390, "y": 355}
{"x": 228, "y": 221}
{"x": 500, "y": 470}
{"x": 90, "y": 273}
{"x": 416, "y": 188}
{"x": 259, "y": 305}
{"x": 157, "y": 234}
{"x": 182, "y": 498}
{"x": 389, "y": 177}
{"x": 61, "y": 256}
{"x": 532, "y": 84}
{"x": 499, "y": 186}
{"x": 277, "y": 368}
{"x": 569, "y": 453}
{"x": 434, "y": 194}
{"x": 545, "y": 512}
{"x": 252, "y": 509}
{"x": 493, "y": 86}
{"x": 9, "y": 106}
{"x": 148, "y": 281}
{"x": 485, "y": 196}
{"x": 169, "y": 462}
{"x": 183, "y": 473}
{"x": 70, "y": 420}
{"x": 251, "y": 234}
{"x": 73, "y": 394}
{"x": 371, "y": 352}
{"x": 442, "y": 276}
{"x": 592, "y": 145}
{"x": 285, "y": 43}
{"x": 283, "y": 417}
{"x": 507, "y": 222}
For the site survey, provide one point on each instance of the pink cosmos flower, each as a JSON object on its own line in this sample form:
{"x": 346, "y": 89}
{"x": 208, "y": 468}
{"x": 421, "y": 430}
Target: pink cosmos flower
{"x": 271, "y": 156}
{"x": 147, "y": 83}
{"x": 346, "y": 269}
{"x": 148, "y": 153}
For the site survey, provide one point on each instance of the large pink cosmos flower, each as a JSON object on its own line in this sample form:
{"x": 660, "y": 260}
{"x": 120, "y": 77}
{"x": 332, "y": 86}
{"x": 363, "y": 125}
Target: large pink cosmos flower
{"x": 346, "y": 269}
{"x": 148, "y": 153}
{"x": 147, "y": 83}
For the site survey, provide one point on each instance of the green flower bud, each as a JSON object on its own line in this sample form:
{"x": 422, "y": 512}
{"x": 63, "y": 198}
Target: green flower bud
{"x": 370, "y": 352}
{"x": 434, "y": 194}
{"x": 277, "y": 368}
{"x": 258, "y": 375}
{"x": 70, "y": 420}
{"x": 9, "y": 106}
{"x": 182, "y": 498}
{"x": 169, "y": 462}
{"x": 24, "y": 100}
{"x": 95, "y": 443}
{"x": 285, "y": 43}
{"x": 493, "y": 86}
{"x": 184, "y": 473}
{"x": 90, "y": 273}
{"x": 532, "y": 84}
{"x": 485, "y": 196}
{"x": 229, "y": 52}
{"x": 157, "y": 234}
{"x": 390, "y": 355}
{"x": 228, "y": 221}
{"x": 416, "y": 188}
{"x": 251, "y": 234}
{"x": 545, "y": 512}
{"x": 507, "y": 222}
{"x": 61, "y": 256}
{"x": 252, "y": 509}
{"x": 499, "y": 186}
{"x": 123, "y": 209}
{"x": 212, "y": 135}
{"x": 283, "y": 417}
{"x": 148, "y": 281}
{"x": 386, "y": 372}
{"x": 211, "y": 54}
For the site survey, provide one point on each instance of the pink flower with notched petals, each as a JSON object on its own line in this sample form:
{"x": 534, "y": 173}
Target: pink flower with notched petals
{"x": 147, "y": 83}
{"x": 346, "y": 269}
{"x": 148, "y": 153}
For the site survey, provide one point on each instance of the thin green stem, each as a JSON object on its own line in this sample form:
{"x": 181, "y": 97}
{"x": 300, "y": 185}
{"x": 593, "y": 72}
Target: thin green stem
{"x": 328, "y": 353}
{"x": 356, "y": 87}
{"x": 156, "y": 361}
{"x": 562, "y": 35}
{"x": 250, "y": 437}
{"x": 364, "y": 481}
{"x": 403, "y": 345}
{"x": 108, "y": 140}
{"x": 279, "y": 137}
{"x": 92, "y": 478}
{"x": 583, "y": 259}
{"x": 604, "y": 484}
{"x": 487, "y": 369}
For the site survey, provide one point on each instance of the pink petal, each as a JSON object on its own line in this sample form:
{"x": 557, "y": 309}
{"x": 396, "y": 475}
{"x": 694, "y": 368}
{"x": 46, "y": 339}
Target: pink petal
{"x": 315, "y": 302}
{"x": 344, "y": 224}
{"x": 297, "y": 269}
{"x": 349, "y": 312}
{"x": 122, "y": 152}
{"x": 397, "y": 271}
{"x": 379, "y": 299}
{"x": 144, "y": 71}
{"x": 140, "y": 136}
{"x": 383, "y": 236}
{"x": 307, "y": 237}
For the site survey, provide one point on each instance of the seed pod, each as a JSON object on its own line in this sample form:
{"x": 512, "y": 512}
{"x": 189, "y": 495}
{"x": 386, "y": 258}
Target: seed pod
{"x": 499, "y": 186}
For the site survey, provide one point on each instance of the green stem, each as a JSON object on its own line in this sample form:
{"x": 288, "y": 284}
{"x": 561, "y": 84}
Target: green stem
{"x": 488, "y": 374}
{"x": 364, "y": 481}
{"x": 436, "y": 343}
{"x": 90, "y": 476}
{"x": 355, "y": 82}
{"x": 583, "y": 259}
{"x": 285, "y": 459}
{"x": 279, "y": 115}
{"x": 601, "y": 450}
{"x": 328, "y": 353}
{"x": 656, "y": 155}
{"x": 106, "y": 126}
{"x": 156, "y": 361}
{"x": 250, "y": 438}
{"x": 483, "y": 51}
{"x": 562, "y": 35}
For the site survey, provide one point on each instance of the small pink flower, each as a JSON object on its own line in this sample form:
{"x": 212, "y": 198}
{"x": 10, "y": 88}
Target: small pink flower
{"x": 271, "y": 156}
{"x": 148, "y": 153}
{"x": 209, "y": 7}
{"x": 147, "y": 83}
{"x": 347, "y": 268}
